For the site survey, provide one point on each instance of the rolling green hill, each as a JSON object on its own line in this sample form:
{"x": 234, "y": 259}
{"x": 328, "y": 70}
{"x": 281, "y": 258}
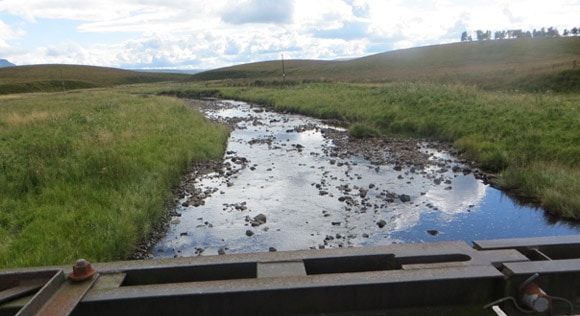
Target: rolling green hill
{"x": 514, "y": 64}
{"x": 527, "y": 64}
{"x": 48, "y": 78}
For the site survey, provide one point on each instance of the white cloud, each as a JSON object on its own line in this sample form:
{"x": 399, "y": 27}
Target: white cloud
{"x": 259, "y": 11}
{"x": 214, "y": 33}
{"x": 6, "y": 33}
{"x": 62, "y": 9}
{"x": 321, "y": 14}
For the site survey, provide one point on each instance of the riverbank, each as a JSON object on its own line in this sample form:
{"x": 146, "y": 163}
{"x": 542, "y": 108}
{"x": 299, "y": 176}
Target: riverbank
{"x": 87, "y": 174}
{"x": 289, "y": 182}
{"x": 398, "y": 151}
{"x": 336, "y": 165}
{"x": 530, "y": 140}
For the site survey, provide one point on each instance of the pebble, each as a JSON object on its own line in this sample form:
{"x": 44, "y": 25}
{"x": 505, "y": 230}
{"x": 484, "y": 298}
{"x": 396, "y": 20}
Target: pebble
{"x": 433, "y": 232}
{"x": 404, "y": 198}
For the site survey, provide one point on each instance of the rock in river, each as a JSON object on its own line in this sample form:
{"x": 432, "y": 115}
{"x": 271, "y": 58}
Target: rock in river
{"x": 404, "y": 198}
{"x": 258, "y": 220}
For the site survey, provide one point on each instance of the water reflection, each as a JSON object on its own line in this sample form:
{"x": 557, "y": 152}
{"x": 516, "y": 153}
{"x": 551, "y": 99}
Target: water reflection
{"x": 313, "y": 200}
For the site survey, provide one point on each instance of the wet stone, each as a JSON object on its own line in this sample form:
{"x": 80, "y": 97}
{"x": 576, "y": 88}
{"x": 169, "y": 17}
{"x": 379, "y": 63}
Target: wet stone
{"x": 363, "y": 193}
{"x": 404, "y": 198}
{"x": 433, "y": 232}
{"x": 258, "y": 220}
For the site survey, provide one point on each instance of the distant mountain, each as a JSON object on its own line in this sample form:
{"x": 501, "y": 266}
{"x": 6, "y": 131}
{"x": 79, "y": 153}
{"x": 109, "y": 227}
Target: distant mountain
{"x": 56, "y": 77}
{"x": 5, "y": 63}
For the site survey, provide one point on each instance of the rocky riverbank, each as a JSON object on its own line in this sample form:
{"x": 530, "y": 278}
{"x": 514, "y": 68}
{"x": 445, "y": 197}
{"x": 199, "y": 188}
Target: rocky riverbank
{"x": 403, "y": 155}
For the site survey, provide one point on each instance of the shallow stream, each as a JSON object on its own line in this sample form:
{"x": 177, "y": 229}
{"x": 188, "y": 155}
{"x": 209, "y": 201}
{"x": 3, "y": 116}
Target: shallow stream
{"x": 287, "y": 186}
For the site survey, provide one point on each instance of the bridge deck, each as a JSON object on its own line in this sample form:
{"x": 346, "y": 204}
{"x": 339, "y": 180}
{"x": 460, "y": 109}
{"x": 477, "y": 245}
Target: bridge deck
{"x": 425, "y": 278}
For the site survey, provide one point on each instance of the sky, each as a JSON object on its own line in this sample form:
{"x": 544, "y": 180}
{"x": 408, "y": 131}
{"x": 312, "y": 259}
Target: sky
{"x": 208, "y": 34}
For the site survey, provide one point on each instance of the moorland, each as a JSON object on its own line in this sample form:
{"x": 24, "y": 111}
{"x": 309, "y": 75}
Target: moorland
{"x": 89, "y": 155}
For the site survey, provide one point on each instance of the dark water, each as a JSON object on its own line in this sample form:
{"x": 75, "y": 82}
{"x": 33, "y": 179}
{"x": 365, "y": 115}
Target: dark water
{"x": 312, "y": 200}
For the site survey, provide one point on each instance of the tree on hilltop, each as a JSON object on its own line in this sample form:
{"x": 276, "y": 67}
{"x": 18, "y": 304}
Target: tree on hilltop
{"x": 519, "y": 33}
{"x": 482, "y": 36}
{"x": 550, "y": 32}
{"x": 465, "y": 37}
{"x": 500, "y": 35}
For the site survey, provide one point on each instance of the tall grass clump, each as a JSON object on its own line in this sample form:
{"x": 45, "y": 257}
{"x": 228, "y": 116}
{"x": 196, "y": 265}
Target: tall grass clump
{"x": 88, "y": 174}
{"x": 551, "y": 185}
{"x": 510, "y": 134}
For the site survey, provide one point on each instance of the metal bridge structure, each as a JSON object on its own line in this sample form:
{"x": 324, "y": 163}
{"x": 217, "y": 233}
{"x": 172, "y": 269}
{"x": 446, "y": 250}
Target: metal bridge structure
{"x": 493, "y": 277}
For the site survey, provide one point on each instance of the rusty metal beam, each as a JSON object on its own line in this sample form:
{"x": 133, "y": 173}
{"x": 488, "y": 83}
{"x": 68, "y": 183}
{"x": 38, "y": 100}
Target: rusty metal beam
{"x": 420, "y": 277}
{"x": 58, "y": 297}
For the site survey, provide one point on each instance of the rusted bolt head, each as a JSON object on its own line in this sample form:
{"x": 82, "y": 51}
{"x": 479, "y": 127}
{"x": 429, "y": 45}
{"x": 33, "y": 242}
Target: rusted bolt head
{"x": 82, "y": 270}
{"x": 535, "y": 298}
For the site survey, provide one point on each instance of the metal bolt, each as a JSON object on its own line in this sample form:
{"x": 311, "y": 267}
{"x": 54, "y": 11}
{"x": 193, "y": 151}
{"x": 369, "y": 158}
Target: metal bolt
{"x": 82, "y": 270}
{"x": 535, "y": 298}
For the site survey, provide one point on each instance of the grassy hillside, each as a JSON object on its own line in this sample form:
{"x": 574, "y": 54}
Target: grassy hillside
{"x": 49, "y": 78}
{"x": 265, "y": 70}
{"x": 500, "y": 64}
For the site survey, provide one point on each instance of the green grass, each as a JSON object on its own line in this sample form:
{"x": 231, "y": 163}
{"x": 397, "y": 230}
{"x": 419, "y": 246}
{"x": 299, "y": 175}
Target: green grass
{"x": 523, "y": 64}
{"x": 51, "y": 78}
{"x": 551, "y": 184}
{"x": 87, "y": 174}
{"x": 513, "y": 134}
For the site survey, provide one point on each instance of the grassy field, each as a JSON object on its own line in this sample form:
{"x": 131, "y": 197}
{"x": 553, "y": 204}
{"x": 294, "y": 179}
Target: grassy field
{"x": 524, "y": 64}
{"x": 86, "y": 174}
{"x": 532, "y": 140}
{"x": 51, "y": 78}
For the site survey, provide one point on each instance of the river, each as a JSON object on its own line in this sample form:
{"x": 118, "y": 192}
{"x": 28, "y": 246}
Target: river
{"x": 286, "y": 185}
